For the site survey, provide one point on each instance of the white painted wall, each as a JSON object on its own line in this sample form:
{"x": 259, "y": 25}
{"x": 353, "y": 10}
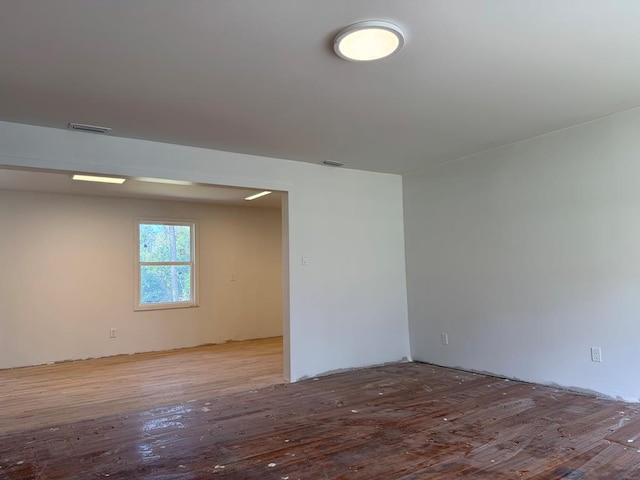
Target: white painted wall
{"x": 68, "y": 277}
{"x": 348, "y": 307}
{"x": 528, "y": 255}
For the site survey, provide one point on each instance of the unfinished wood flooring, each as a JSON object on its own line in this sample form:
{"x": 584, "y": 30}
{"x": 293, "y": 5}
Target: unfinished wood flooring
{"x": 48, "y": 395}
{"x": 395, "y": 422}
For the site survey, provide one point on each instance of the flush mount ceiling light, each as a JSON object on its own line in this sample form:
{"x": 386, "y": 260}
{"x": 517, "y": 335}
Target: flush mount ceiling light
{"x": 258, "y": 195}
{"x": 92, "y": 178}
{"x": 367, "y": 41}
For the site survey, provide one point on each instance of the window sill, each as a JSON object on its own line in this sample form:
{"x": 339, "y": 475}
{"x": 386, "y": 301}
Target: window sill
{"x": 164, "y": 306}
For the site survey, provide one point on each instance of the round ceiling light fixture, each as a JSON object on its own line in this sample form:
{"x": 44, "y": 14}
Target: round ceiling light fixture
{"x": 367, "y": 41}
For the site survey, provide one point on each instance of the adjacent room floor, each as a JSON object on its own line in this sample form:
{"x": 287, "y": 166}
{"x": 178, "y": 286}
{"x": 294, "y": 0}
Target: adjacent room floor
{"x": 68, "y": 392}
{"x": 402, "y": 421}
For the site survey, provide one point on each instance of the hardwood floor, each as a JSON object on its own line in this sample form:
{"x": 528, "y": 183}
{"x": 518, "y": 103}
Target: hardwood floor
{"x": 402, "y": 421}
{"x": 48, "y": 395}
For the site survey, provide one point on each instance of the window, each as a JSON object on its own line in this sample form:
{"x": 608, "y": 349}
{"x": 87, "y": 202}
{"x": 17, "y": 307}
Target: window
{"x": 166, "y": 267}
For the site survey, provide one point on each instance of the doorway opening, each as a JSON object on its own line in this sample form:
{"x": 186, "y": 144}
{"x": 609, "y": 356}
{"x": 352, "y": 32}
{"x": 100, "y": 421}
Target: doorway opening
{"x": 72, "y": 249}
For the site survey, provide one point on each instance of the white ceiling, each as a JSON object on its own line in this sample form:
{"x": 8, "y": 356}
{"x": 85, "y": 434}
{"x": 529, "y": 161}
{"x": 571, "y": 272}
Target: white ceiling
{"x": 259, "y": 76}
{"x": 61, "y": 182}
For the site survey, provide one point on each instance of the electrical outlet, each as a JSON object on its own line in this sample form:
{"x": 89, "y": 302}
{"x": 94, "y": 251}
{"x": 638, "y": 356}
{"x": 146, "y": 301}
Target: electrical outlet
{"x": 305, "y": 259}
{"x": 113, "y": 333}
{"x": 444, "y": 338}
{"x": 596, "y": 354}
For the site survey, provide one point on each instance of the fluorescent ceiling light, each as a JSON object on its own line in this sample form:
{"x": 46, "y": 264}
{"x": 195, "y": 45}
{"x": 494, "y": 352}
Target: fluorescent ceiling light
{"x": 258, "y": 195}
{"x": 164, "y": 180}
{"x": 91, "y": 178}
{"x": 366, "y": 41}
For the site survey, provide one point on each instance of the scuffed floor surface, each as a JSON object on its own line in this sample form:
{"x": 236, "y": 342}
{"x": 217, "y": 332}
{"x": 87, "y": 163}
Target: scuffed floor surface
{"x": 405, "y": 421}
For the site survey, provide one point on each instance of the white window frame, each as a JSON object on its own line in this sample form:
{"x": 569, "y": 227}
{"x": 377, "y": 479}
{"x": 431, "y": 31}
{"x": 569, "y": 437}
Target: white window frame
{"x": 193, "y": 302}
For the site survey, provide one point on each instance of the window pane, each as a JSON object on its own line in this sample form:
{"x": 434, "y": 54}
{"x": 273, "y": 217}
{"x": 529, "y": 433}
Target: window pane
{"x": 165, "y": 243}
{"x": 165, "y": 284}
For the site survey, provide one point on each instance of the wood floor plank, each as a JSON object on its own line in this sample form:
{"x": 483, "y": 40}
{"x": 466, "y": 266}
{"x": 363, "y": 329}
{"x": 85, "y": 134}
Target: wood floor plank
{"x": 402, "y": 421}
{"x": 627, "y": 433}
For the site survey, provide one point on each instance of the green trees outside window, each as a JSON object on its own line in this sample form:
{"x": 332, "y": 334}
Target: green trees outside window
{"x": 166, "y": 263}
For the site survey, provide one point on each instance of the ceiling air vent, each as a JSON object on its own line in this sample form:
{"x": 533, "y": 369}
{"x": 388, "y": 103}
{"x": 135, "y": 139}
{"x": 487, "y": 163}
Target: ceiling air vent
{"x": 331, "y": 163}
{"x": 88, "y": 128}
